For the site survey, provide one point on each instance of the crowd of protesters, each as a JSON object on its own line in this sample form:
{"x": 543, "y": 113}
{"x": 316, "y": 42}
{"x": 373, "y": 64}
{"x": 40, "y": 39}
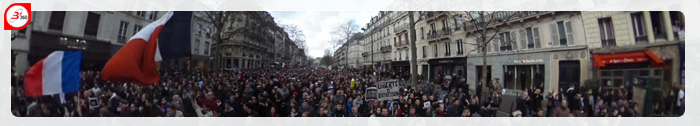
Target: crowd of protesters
{"x": 319, "y": 92}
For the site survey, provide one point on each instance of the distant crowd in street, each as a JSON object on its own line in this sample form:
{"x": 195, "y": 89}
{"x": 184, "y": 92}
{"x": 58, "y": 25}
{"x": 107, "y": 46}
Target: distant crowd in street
{"x": 322, "y": 92}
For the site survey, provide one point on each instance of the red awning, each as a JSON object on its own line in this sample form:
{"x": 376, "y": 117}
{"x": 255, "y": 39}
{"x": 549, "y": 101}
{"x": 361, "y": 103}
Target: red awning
{"x": 601, "y": 60}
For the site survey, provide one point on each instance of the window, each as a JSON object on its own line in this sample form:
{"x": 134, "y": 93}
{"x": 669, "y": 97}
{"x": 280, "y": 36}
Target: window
{"x": 422, "y": 33}
{"x": 137, "y": 28}
{"x": 199, "y": 29}
{"x": 153, "y": 15}
{"x": 562, "y": 33}
{"x": 638, "y": 26}
{"x": 406, "y": 38}
{"x": 395, "y": 41}
{"x": 121, "y": 36}
{"x": 607, "y": 35}
{"x": 91, "y": 24}
{"x": 447, "y": 48}
{"x": 208, "y": 32}
{"x": 435, "y": 51}
{"x": 657, "y": 23}
{"x": 407, "y": 55}
{"x": 196, "y": 46}
{"x": 425, "y": 52}
{"x": 432, "y": 28}
{"x": 506, "y": 41}
{"x": 530, "y": 38}
{"x": 445, "y": 25}
{"x": 460, "y": 47}
{"x": 480, "y": 45}
{"x": 56, "y": 20}
{"x": 206, "y": 48}
{"x": 141, "y": 13}
{"x": 400, "y": 41}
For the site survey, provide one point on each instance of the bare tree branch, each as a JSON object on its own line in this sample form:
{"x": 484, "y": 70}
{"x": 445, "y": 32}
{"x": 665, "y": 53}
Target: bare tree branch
{"x": 344, "y": 32}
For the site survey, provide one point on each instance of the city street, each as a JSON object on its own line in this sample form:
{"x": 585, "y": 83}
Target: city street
{"x": 350, "y": 64}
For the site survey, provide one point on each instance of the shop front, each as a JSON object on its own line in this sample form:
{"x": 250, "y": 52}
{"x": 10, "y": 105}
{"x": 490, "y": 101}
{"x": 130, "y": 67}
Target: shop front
{"x": 199, "y": 62}
{"x": 514, "y": 72}
{"x": 446, "y": 66}
{"x": 96, "y": 53}
{"x": 647, "y": 74}
{"x": 401, "y": 66}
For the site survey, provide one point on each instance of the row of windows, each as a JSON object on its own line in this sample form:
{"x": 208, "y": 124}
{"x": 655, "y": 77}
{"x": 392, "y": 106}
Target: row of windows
{"x": 92, "y": 22}
{"x": 447, "y": 49}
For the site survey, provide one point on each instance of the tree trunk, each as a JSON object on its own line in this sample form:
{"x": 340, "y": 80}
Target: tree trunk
{"x": 484, "y": 66}
{"x": 414, "y": 64}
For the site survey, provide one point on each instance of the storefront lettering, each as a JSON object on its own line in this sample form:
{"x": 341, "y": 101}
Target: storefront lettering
{"x": 445, "y": 61}
{"x": 627, "y": 60}
{"x": 529, "y": 61}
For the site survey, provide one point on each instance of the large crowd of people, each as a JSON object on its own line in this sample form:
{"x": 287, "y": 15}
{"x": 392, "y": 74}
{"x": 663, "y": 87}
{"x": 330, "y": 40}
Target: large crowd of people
{"x": 321, "y": 92}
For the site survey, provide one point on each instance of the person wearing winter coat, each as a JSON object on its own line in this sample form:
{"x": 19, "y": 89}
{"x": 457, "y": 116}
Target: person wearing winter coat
{"x": 563, "y": 110}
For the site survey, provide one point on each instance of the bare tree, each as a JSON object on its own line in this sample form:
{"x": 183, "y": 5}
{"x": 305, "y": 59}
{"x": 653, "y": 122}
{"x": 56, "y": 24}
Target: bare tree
{"x": 327, "y": 58}
{"x": 297, "y": 36}
{"x": 485, "y": 26}
{"x": 344, "y": 32}
{"x": 224, "y": 28}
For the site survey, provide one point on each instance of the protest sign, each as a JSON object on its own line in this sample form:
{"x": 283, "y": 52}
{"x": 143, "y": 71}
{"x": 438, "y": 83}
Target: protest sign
{"x": 388, "y": 90}
{"x": 371, "y": 94}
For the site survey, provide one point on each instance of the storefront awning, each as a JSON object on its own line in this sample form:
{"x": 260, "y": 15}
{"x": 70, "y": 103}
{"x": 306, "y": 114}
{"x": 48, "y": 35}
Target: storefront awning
{"x": 602, "y": 60}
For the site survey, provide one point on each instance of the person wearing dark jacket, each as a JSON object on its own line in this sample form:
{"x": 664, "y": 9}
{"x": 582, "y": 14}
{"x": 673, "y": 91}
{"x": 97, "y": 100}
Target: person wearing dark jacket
{"x": 151, "y": 110}
{"x": 486, "y": 111}
{"x": 454, "y": 109}
{"x": 249, "y": 112}
{"x": 338, "y": 111}
{"x": 355, "y": 113}
{"x": 522, "y": 102}
{"x": 133, "y": 111}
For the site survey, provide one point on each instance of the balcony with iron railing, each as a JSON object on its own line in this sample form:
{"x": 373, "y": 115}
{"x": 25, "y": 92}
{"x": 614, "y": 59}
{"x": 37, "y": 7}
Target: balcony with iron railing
{"x": 432, "y": 15}
{"x": 385, "y": 49}
{"x": 438, "y": 34}
{"x": 365, "y": 54}
{"x": 400, "y": 28}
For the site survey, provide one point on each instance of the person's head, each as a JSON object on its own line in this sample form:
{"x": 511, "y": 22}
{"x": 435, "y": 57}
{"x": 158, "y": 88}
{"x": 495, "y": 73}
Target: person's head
{"x": 305, "y": 104}
{"x": 425, "y": 98}
{"x": 563, "y": 103}
{"x": 354, "y": 110}
{"x": 210, "y": 95}
{"x": 321, "y": 110}
{"x": 413, "y": 110}
{"x": 466, "y": 113}
{"x": 385, "y": 111}
{"x": 149, "y": 102}
{"x": 442, "y": 107}
{"x": 134, "y": 107}
{"x": 338, "y": 107}
{"x": 305, "y": 114}
{"x": 171, "y": 112}
{"x": 164, "y": 101}
{"x": 294, "y": 110}
{"x": 540, "y": 112}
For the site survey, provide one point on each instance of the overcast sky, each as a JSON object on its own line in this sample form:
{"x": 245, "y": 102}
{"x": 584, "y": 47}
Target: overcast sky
{"x": 318, "y": 25}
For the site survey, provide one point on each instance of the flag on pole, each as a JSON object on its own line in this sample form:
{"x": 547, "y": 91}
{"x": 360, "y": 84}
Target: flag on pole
{"x": 166, "y": 38}
{"x": 57, "y": 73}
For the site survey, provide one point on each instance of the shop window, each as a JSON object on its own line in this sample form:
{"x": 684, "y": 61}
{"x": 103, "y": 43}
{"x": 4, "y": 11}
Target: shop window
{"x": 479, "y": 74}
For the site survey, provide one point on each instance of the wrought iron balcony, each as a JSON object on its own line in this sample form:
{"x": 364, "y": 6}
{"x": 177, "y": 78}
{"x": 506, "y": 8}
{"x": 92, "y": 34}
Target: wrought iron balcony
{"x": 435, "y": 34}
{"x": 385, "y": 49}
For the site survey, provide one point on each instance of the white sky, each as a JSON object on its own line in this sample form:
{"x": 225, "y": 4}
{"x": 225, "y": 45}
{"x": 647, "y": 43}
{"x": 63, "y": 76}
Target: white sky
{"x": 318, "y": 25}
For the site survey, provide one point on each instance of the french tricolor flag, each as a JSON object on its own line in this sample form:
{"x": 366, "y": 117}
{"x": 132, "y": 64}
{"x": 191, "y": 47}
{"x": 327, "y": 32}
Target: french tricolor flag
{"x": 166, "y": 38}
{"x": 57, "y": 73}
